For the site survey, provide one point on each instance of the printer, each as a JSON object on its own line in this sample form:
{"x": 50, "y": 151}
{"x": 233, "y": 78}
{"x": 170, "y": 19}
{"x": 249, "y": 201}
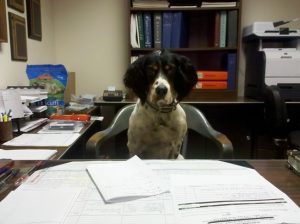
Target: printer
{"x": 272, "y": 58}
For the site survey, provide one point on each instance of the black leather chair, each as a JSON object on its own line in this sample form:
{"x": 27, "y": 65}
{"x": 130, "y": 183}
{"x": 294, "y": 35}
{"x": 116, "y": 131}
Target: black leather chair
{"x": 196, "y": 121}
{"x": 285, "y": 135}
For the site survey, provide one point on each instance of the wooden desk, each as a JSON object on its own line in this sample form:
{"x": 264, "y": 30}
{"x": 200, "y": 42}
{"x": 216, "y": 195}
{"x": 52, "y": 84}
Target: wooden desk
{"x": 74, "y": 151}
{"x": 274, "y": 171}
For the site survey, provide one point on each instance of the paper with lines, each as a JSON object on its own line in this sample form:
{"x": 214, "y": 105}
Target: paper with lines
{"x": 123, "y": 181}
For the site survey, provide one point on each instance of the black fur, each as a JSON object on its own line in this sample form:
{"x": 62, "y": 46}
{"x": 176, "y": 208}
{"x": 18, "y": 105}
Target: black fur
{"x": 140, "y": 74}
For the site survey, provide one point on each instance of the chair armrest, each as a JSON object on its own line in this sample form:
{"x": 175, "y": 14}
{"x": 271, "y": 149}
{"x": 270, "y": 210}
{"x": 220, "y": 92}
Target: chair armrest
{"x": 95, "y": 141}
{"x": 225, "y": 146}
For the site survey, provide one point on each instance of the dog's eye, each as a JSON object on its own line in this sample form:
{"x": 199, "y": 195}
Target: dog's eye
{"x": 168, "y": 68}
{"x": 153, "y": 67}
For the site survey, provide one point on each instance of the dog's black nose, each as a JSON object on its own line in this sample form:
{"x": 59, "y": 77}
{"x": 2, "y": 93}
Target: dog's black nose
{"x": 161, "y": 90}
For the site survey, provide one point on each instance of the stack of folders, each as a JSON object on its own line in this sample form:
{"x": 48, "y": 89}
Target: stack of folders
{"x": 212, "y": 80}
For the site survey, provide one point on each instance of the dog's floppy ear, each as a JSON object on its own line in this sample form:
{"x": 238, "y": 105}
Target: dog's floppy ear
{"x": 186, "y": 77}
{"x": 135, "y": 79}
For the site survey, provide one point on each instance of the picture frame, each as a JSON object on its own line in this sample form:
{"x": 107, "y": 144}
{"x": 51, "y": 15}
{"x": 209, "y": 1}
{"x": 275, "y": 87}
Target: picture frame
{"x": 3, "y": 26}
{"x": 34, "y": 22}
{"x": 18, "y": 38}
{"x": 16, "y": 4}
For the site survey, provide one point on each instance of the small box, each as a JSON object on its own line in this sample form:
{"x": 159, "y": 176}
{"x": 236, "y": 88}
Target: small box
{"x": 61, "y": 125}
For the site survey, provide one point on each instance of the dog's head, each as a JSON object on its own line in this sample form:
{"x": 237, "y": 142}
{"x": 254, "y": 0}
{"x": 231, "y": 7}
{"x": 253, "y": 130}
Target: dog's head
{"x": 162, "y": 78}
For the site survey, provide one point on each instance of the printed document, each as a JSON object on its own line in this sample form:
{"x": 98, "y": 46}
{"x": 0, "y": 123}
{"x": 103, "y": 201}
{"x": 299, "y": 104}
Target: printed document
{"x": 43, "y": 140}
{"x": 27, "y": 154}
{"x": 89, "y": 207}
{"x": 126, "y": 180}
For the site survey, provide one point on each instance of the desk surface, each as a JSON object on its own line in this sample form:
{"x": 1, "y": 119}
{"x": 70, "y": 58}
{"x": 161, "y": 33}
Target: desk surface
{"x": 61, "y": 151}
{"x": 274, "y": 171}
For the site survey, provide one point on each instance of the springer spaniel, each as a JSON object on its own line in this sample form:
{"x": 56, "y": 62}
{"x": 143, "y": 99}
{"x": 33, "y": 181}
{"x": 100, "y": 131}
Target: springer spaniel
{"x": 158, "y": 125}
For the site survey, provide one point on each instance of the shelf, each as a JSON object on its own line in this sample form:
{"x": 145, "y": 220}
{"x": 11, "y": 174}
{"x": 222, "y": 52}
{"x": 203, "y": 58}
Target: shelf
{"x": 182, "y": 9}
{"x": 189, "y": 49}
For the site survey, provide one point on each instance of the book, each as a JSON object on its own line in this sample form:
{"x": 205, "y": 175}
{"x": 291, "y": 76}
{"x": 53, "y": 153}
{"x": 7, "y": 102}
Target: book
{"x": 133, "y": 33}
{"x": 223, "y": 25}
{"x": 157, "y": 29}
{"x": 179, "y": 30}
{"x": 211, "y": 85}
{"x": 231, "y": 68}
{"x": 166, "y": 29}
{"x": 141, "y": 33}
{"x": 232, "y": 19}
{"x": 212, "y": 75}
{"x": 148, "y": 30}
{"x": 216, "y": 41}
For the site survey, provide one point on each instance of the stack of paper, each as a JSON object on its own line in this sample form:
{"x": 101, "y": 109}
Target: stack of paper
{"x": 27, "y": 154}
{"x": 43, "y": 140}
{"x": 27, "y": 126}
{"x": 125, "y": 180}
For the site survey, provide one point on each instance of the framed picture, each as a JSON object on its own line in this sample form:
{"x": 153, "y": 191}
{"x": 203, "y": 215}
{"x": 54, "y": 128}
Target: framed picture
{"x": 34, "y": 21}
{"x": 16, "y": 4}
{"x": 3, "y": 27}
{"x": 17, "y": 31}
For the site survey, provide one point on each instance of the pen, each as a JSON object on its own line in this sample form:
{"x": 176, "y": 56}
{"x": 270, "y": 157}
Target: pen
{"x": 6, "y": 173}
{"x": 24, "y": 177}
{"x": 12, "y": 174}
{"x": 6, "y": 167}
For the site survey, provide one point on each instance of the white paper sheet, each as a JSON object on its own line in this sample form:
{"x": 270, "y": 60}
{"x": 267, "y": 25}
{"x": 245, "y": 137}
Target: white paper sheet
{"x": 243, "y": 197}
{"x": 43, "y": 140}
{"x": 39, "y": 206}
{"x": 89, "y": 207}
{"x": 125, "y": 181}
{"x": 27, "y": 154}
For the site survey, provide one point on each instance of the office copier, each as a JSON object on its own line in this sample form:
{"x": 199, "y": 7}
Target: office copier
{"x": 272, "y": 55}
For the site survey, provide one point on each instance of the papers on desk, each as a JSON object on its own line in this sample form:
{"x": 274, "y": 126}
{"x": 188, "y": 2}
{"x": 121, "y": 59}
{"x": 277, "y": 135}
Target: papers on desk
{"x": 242, "y": 197}
{"x": 60, "y": 127}
{"x": 26, "y": 126}
{"x": 89, "y": 207}
{"x": 27, "y": 154}
{"x": 125, "y": 181}
{"x": 43, "y": 140}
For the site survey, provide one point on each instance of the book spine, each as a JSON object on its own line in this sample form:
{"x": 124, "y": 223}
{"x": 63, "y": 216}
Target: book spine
{"x": 216, "y": 42}
{"x": 166, "y": 29}
{"x": 141, "y": 33}
{"x": 211, "y": 85}
{"x": 133, "y": 33}
{"x": 157, "y": 29}
{"x": 148, "y": 30}
{"x": 232, "y": 17}
{"x": 223, "y": 23}
{"x": 179, "y": 30}
{"x": 231, "y": 68}
{"x": 212, "y": 75}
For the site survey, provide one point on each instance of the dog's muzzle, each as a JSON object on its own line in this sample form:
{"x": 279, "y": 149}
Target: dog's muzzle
{"x": 161, "y": 90}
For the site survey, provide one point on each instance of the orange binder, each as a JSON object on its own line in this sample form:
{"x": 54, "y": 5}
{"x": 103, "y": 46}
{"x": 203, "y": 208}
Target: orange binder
{"x": 211, "y": 85}
{"x": 212, "y": 75}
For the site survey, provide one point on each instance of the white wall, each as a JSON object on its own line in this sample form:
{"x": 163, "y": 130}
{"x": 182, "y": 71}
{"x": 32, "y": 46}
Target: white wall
{"x": 38, "y": 52}
{"x": 92, "y": 40}
{"x": 265, "y": 10}
{"x": 90, "y": 37}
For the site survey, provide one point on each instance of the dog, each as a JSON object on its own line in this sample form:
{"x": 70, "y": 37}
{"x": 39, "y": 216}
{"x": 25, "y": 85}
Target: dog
{"x": 157, "y": 124}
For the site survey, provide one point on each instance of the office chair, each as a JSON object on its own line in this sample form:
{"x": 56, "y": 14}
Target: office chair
{"x": 285, "y": 136}
{"x": 195, "y": 121}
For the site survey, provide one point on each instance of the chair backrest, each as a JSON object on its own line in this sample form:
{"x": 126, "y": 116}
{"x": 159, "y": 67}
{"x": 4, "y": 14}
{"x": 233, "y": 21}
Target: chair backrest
{"x": 195, "y": 121}
{"x": 275, "y": 111}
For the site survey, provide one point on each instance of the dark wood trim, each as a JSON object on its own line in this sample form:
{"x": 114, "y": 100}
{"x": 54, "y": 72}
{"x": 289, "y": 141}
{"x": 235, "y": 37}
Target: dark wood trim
{"x": 34, "y": 19}
{"x": 16, "y": 4}
{"x": 3, "y": 26}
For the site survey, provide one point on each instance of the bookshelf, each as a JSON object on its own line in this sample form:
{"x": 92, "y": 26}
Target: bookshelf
{"x": 202, "y": 44}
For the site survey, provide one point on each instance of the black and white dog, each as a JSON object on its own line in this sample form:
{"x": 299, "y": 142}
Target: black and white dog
{"x": 157, "y": 125}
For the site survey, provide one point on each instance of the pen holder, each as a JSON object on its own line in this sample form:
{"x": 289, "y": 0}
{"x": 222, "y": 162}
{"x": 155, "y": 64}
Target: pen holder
{"x": 6, "y": 132}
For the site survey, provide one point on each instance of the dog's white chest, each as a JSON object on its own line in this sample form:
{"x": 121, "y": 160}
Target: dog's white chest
{"x": 156, "y": 135}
